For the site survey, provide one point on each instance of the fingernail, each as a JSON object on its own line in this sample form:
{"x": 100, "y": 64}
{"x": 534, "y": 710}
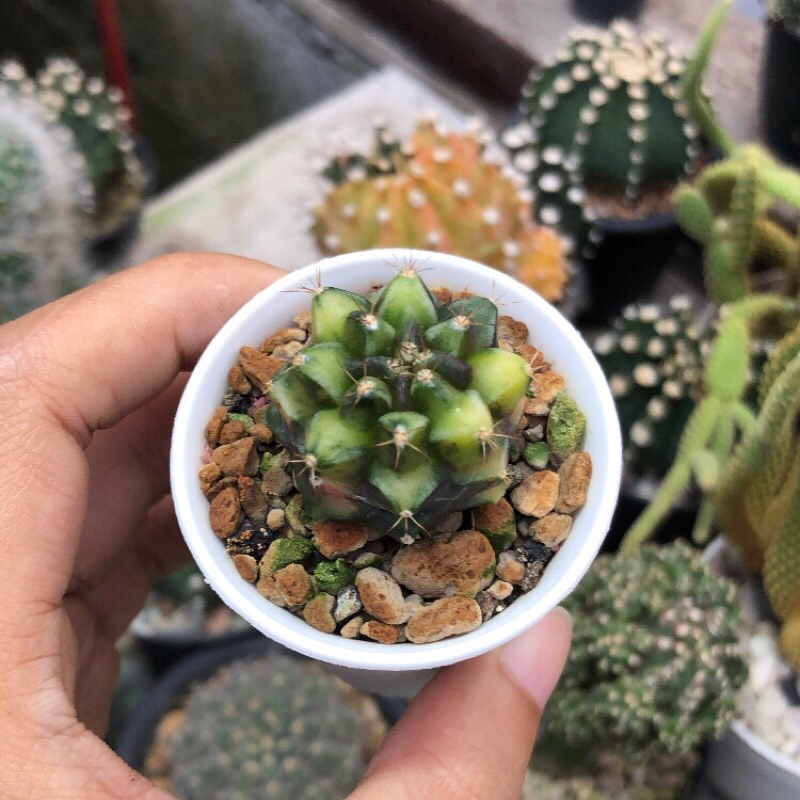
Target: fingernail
{"x": 536, "y": 659}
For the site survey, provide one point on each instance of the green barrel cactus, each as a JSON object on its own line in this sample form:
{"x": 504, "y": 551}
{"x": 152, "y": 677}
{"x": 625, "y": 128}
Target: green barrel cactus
{"x": 654, "y": 358}
{"x": 44, "y": 200}
{"x": 400, "y": 410}
{"x": 439, "y": 191}
{"x": 99, "y": 121}
{"x": 273, "y": 728}
{"x": 605, "y": 116}
{"x": 655, "y": 662}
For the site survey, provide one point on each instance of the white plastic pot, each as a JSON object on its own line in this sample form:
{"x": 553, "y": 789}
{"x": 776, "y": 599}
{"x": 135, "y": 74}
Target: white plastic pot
{"x": 398, "y": 669}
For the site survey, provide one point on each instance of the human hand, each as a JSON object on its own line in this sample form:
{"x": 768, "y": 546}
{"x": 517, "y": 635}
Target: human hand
{"x": 89, "y": 389}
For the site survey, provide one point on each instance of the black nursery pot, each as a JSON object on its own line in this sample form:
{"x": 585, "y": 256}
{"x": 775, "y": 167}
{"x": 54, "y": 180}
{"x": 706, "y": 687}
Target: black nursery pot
{"x": 781, "y": 98}
{"x": 605, "y": 11}
{"x": 162, "y": 650}
{"x": 135, "y": 739}
{"x": 627, "y": 263}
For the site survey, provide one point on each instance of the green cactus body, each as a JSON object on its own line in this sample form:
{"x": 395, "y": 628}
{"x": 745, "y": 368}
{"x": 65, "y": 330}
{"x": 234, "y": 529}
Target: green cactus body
{"x": 44, "y": 199}
{"x": 99, "y": 120}
{"x": 655, "y": 662}
{"x": 273, "y": 728}
{"x": 605, "y": 116}
{"x": 399, "y": 411}
{"x": 655, "y": 359}
{"x": 439, "y": 192}
{"x": 539, "y": 786}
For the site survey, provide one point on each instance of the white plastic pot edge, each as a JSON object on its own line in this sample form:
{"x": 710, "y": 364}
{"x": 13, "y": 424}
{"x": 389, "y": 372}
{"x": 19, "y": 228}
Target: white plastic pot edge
{"x": 273, "y": 308}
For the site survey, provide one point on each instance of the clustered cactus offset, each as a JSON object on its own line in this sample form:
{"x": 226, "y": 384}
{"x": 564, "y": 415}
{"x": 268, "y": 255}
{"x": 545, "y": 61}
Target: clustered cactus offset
{"x": 606, "y": 118}
{"x": 273, "y": 728}
{"x": 99, "y": 121}
{"x": 400, "y": 410}
{"x": 44, "y": 199}
{"x": 441, "y": 192}
{"x": 655, "y": 661}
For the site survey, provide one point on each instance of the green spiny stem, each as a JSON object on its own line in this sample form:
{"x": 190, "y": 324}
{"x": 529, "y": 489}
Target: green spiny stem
{"x": 693, "y": 212}
{"x": 698, "y": 432}
{"x": 743, "y": 217}
{"x": 693, "y": 77}
{"x": 721, "y": 446}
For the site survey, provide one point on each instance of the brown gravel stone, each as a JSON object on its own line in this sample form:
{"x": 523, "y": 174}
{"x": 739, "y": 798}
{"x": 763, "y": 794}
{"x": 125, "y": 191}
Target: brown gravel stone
{"x": 436, "y": 568}
{"x": 237, "y": 380}
{"x": 352, "y": 628}
{"x": 214, "y": 427}
{"x": 282, "y": 336}
{"x": 500, "y": 590}
{"x": 232, "y": 431}
{"x": 552, "y": 529}
{"x": 266, "y": 588}
{"x": 209, "y": 474}
{"x": 446, "y": 617}
{"x": 442, "y": 294}
{"x": 303, "y": 320}
{"x": 380, "y": 632}
{"x": 261, "y": 433}
{"x": 512, "y": 331}
{"x": 276, "y": 519}
{"x": 532, "y": 355}
{"x": 246, "y": 566}
{"x": 317, "y": 613}
{"x": 226, "y": 513}
{"x": 238, "y": 458}
{"x": 259, "y": 367}
{"x": 509, "y": 569}
{"x": 575, "y": 474}
{"x": 537, "y": 494}
{"x": 294, "y": 584}
{"x": 276, "y": 481}
{"x": 337, "y": 537}
{"x": 487, "y": 604}
{"x": 381, "y": 596}
{"x": 287, "y": 351}
{"x": 451, "y": 523}
{"x": 546, "y": 385}
{"x": 252, "y": 499}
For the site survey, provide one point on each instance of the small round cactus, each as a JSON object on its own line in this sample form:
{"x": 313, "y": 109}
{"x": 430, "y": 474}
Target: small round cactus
{"x": 539, "y": 786}
{"x": 273, "y": 728}
{"x": 441, "y": 191}
{"x": 99, "y": 121}
{"x": 654, "y": 357}
{"x": 606, "y": 116}
{"x": 787, "y": 12}
{"x": 400, "y": 410}
{"x": 43, "y": 202}
{"x": 655, "y": 661}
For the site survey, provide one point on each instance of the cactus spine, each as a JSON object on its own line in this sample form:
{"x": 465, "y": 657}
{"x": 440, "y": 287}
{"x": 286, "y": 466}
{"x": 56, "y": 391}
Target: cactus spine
{"x": 43, "y": 202}
{"x": 440, "y": 191}
{"x": 273, "y": 728}
{"x": 400, "y": 410}
{"x": 605, "y": 115}
{"x": 99, "y": 121}
{"x": 655, "y": 660}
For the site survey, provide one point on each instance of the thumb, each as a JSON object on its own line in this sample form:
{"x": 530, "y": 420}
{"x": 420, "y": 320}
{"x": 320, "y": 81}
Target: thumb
{"x": 470, "y": 732}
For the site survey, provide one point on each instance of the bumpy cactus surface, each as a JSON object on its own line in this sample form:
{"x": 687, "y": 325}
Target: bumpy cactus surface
{"x": 273, "y": 728}
{"x": 43, "y": 202}
{"x": 605, "y": 115}
{"x": 654, "y": 358}
{"x": 442, "y": 192}
{"x": 400, "y": 410}
{"x": 655, "y": 661}
{"x": 539, "y": 786}
{"x": 99, "y": 121}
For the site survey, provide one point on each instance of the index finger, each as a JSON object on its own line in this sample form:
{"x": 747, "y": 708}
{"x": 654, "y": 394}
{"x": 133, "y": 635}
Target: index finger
{"x": 104, "y": 351}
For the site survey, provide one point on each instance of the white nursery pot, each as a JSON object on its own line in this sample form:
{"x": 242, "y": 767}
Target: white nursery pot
{"x": 397, "y": 669}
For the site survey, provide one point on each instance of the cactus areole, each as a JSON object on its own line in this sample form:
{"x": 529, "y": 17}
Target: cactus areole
{"x": 400, "y": 410}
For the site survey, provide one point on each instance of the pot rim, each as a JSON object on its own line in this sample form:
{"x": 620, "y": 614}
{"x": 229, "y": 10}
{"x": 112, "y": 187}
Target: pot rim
{"x": 278, "y": 304}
